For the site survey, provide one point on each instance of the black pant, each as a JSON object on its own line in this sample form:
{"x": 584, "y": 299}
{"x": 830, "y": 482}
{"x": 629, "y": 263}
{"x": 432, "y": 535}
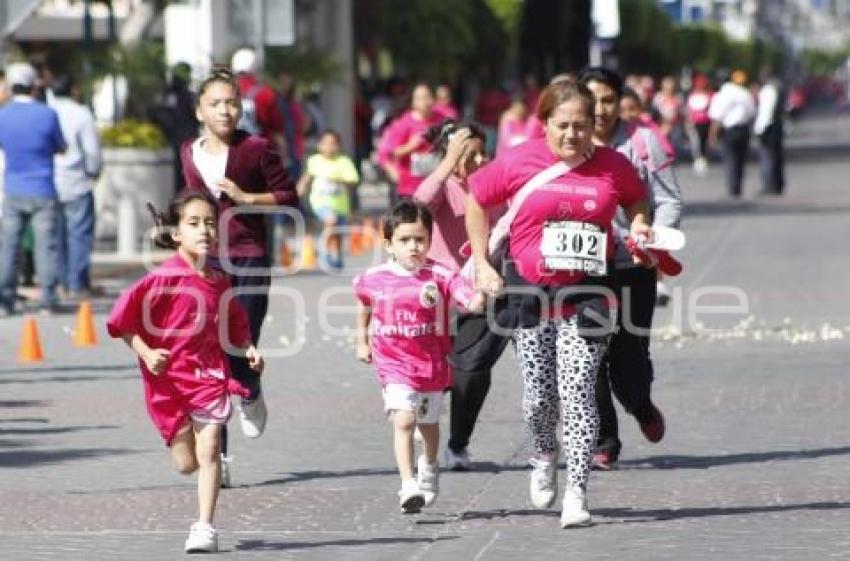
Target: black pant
{"x": 470, "y": 387}
{"x": 736, "y": 144}
{"x": 627, "y": 371}
{"x": 771, "y": 160}
{"x": 255, "y": 300}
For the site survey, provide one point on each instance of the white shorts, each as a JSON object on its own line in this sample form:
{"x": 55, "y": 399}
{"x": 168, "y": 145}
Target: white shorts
{"x": 216, "y": 413}
{"x": 425, "y": 405}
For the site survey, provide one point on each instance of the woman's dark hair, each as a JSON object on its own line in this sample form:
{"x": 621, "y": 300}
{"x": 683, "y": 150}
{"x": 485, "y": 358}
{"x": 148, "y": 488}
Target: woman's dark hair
{"x": 407, "y": 211}
{"x": 218, "y": 76}
{"x": 439, "y": 136}
{"x": 604, "y": 76}
{"x": 63, "y": 85}
{"x": 631, "y": 94}
{"x": 554, "y": 95}
{"x": 164, "y": 222}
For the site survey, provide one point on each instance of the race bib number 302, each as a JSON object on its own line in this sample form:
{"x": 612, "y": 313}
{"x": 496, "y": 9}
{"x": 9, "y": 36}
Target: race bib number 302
{"x": 574, "y": 246}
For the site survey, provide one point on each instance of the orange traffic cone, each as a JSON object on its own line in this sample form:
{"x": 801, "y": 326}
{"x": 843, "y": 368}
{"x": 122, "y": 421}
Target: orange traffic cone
{"x": 370, "y": 234}
{"x": 356, "y": 240}
{"x": 285, "y": 255}
{"x": 308, "y": 254}
{"x": 30, "y": 350}
{"x": 85, "y": 335}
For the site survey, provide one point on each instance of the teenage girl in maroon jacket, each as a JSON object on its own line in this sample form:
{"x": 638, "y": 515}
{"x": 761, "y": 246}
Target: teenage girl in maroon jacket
{"x": 241, "y": 171}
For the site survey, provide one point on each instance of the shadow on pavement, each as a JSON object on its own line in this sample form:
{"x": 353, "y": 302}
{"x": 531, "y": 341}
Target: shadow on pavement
{"x": 55, "y": 430}
{"x": 75, "y": 368}
{"x": 28, "y": 458}
{"x": 477, "y": 467}
{"x": 705, "y": 462}
{"x": 12, "y": 403}
{"x": 66, "y": 379}
{"x": 263, "y": 545}
{"x": 702, "y": 512}
{"x": 774, "y": 206}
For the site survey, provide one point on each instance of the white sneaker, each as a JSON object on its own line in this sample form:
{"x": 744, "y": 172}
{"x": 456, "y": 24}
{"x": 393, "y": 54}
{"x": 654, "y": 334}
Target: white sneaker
{"x": 417, "y": 436}
{"x": 428, "y": 477}
{"x": 252, "y": 417}
{"x": 544, "y": 482}
{"x": 410, "y": 497}
{"x": 575, "y": 511}
{"x": 226, "y": 483}
{"x": 203, "y": 538}
{"x": 701, "y": 167}
{"x": 456, "y": 461}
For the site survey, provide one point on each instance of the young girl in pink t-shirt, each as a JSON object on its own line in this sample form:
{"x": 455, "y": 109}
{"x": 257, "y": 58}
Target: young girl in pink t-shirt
{"x": 181, "y": 319}
{"x": 403, "y": 329}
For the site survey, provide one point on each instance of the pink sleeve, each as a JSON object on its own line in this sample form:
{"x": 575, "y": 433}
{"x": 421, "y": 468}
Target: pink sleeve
{"x": 361, "y": 290}
{"x": 490, "y": 185}
{"x": 627, "y": 182}
{"x": 460, "y": 289}
{"x": 127, "y": 313}
{"x": 431, "y": 192}
{"x": 238, "y": 330}
{"x": 392, "y": 138}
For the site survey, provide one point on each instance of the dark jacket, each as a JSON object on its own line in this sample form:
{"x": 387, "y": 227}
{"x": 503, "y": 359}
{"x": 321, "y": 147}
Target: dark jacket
{"x": 255, "y": 166}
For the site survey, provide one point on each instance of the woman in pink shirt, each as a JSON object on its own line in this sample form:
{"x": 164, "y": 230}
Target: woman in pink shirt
{"x": 182, "y": 320}
{"x": 563, "y": 194}
{"x": 460, "y": 147}
{"x": 513, "y": 126}
{"x": 403, "y": 329}
{"x": 403, "y": 151}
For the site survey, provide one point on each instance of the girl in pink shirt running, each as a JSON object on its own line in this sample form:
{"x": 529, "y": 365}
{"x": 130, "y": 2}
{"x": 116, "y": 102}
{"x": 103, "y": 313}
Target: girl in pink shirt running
{"x": 403, "y": 329}
{"x": 180, "y": 319}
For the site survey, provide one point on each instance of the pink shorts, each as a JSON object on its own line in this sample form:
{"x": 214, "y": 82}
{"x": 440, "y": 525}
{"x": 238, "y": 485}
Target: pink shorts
{"x": 215, "y": 413}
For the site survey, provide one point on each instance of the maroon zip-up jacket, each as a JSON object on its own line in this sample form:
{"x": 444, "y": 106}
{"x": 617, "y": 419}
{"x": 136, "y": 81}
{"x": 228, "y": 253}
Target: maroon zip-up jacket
{"x": 255, "y": 166}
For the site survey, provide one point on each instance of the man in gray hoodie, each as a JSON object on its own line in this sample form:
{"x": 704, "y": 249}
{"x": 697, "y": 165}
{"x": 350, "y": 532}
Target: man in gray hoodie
{"x": 628, "y": 372}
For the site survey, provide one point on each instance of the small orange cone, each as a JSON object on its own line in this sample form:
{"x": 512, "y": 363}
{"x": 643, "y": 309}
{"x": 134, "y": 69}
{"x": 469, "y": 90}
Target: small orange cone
{"x": 357, "y": 241}
{"x": 370, "y": 234}
{"x": 30, "y": 350}
{"x": 85, "y": 335}
{"x": 308, "y": 254}
{"x": 285, "y": 255}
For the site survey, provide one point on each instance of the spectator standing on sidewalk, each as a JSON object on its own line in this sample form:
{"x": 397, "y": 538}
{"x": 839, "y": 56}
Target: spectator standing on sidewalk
{"x": 30, "y": 135}
{"x": 733, "y": 110}
{"x": 769, "y": 131}
{"x": 75, "y": 174}
{"x": 175, "y": 115}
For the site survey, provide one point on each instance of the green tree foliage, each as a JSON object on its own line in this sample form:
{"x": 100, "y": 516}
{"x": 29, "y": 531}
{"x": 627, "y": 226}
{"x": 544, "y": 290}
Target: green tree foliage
{"x": 432, "y": 39}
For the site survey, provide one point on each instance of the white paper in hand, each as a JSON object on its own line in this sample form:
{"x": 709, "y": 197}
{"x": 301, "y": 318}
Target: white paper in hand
{"x": 667, "y": 239}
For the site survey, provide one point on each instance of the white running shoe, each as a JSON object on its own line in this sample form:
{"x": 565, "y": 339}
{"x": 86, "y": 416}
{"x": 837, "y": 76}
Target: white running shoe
{"x": 456, "y": 461}
{"x": 203, "y": 538}
{"x": 428, "y": 477}
{"x": 226, "y": 482}
{"x": 252, "y": 417}
{"x": 410, "y": 497}
{"x": 417, "y": 436}
{"x": 544, "y": 482}
{"x": 575, "y": 513}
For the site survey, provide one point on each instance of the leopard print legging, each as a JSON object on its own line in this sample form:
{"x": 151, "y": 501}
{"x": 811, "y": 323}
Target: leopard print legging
{"x": 559, "y": 366}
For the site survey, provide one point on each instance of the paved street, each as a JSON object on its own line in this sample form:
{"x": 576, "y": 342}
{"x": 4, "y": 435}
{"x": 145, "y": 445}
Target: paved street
{"x": 755, "y": 465}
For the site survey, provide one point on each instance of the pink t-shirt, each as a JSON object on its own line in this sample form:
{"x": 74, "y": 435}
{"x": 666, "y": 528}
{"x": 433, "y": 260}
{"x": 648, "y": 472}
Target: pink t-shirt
{"x": 698, "y": 104}
{"x": 447, "y": 202}
{"x": 512, "y": 132}
{"x": 589, "y": 193}
{"x": 176, "y": 309}
{"x": 398, "y": 134}
{"x": 410, "y": 322}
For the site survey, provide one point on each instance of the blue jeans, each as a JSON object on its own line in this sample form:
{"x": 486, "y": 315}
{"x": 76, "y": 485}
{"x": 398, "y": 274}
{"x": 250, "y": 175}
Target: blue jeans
{"x": 76, "y": 240}
{"x": 44, "y": 216}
